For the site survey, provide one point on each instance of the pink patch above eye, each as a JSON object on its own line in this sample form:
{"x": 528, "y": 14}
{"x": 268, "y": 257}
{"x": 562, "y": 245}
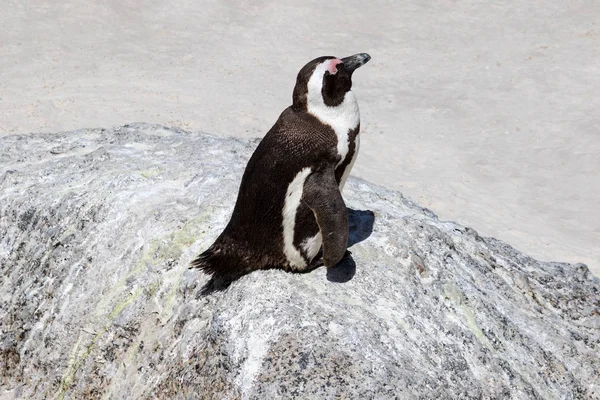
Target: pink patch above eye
{"x": 332, "y": 68}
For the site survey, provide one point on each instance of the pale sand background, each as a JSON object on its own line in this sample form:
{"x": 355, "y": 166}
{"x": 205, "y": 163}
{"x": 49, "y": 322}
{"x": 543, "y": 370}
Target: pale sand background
{"x": 487, "y": 114}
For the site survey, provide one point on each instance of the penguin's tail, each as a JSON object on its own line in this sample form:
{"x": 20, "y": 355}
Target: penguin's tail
{"x": 214, "y": 261}
{"x": 209, "y": 261}
{"x": 223, "y": 268}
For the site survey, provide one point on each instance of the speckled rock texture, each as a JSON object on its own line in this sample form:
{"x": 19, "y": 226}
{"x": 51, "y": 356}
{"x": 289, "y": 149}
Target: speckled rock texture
{"x": 98, "y": 226}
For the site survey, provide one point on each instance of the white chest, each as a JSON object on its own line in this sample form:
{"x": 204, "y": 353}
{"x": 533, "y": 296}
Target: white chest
{"x": 342, "y": 118}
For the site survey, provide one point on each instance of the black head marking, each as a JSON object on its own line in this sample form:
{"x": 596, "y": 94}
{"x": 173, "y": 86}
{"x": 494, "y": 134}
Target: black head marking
{"x": 299, "y": 100}
{"x": 334, "y": 86}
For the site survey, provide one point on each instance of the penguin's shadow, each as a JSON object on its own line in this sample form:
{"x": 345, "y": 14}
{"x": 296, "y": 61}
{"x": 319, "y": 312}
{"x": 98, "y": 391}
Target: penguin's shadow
{"x": 360, "y": 226}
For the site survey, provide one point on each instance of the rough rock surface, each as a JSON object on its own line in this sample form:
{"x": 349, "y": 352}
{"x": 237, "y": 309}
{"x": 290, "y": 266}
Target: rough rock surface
{"x": 97, "y": 228}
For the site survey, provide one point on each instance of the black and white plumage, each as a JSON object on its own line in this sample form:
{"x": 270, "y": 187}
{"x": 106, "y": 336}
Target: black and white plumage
{"x": 289, "y": 205}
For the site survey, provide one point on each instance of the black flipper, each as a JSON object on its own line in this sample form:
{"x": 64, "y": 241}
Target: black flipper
{"x": 322, "y": 195}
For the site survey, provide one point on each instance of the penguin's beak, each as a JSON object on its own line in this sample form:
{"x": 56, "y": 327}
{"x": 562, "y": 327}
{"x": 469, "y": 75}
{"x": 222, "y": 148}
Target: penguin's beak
{"x": 353, "y": 62}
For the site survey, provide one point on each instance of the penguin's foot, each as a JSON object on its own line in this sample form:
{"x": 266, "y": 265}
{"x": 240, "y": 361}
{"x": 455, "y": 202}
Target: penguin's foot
{"x": 316, "y": 263}
{"x": 346, "y": 255}
{"x": 318, "y": 260}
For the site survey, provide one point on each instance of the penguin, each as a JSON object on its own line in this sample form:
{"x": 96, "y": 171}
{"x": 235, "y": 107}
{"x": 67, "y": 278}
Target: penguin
{"x": 289, "y": 207}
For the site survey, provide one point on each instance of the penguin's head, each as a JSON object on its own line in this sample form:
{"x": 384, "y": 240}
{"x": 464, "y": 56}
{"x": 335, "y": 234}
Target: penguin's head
{"x": 326, "y": 80}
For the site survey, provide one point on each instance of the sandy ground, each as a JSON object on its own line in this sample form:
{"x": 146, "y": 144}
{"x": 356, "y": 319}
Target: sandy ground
{"x": 487, "y": 114}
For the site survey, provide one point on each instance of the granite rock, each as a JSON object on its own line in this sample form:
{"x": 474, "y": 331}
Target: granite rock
{"x": 98, "y": 226}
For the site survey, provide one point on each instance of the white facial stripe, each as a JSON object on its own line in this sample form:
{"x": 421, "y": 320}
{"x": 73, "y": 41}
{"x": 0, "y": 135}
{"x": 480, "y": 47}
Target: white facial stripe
{"x": 292, "y": 201}
{"x": 342, "y": 118}
{"x": 315, "y": 83}
{"x": 312, "y": 245}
